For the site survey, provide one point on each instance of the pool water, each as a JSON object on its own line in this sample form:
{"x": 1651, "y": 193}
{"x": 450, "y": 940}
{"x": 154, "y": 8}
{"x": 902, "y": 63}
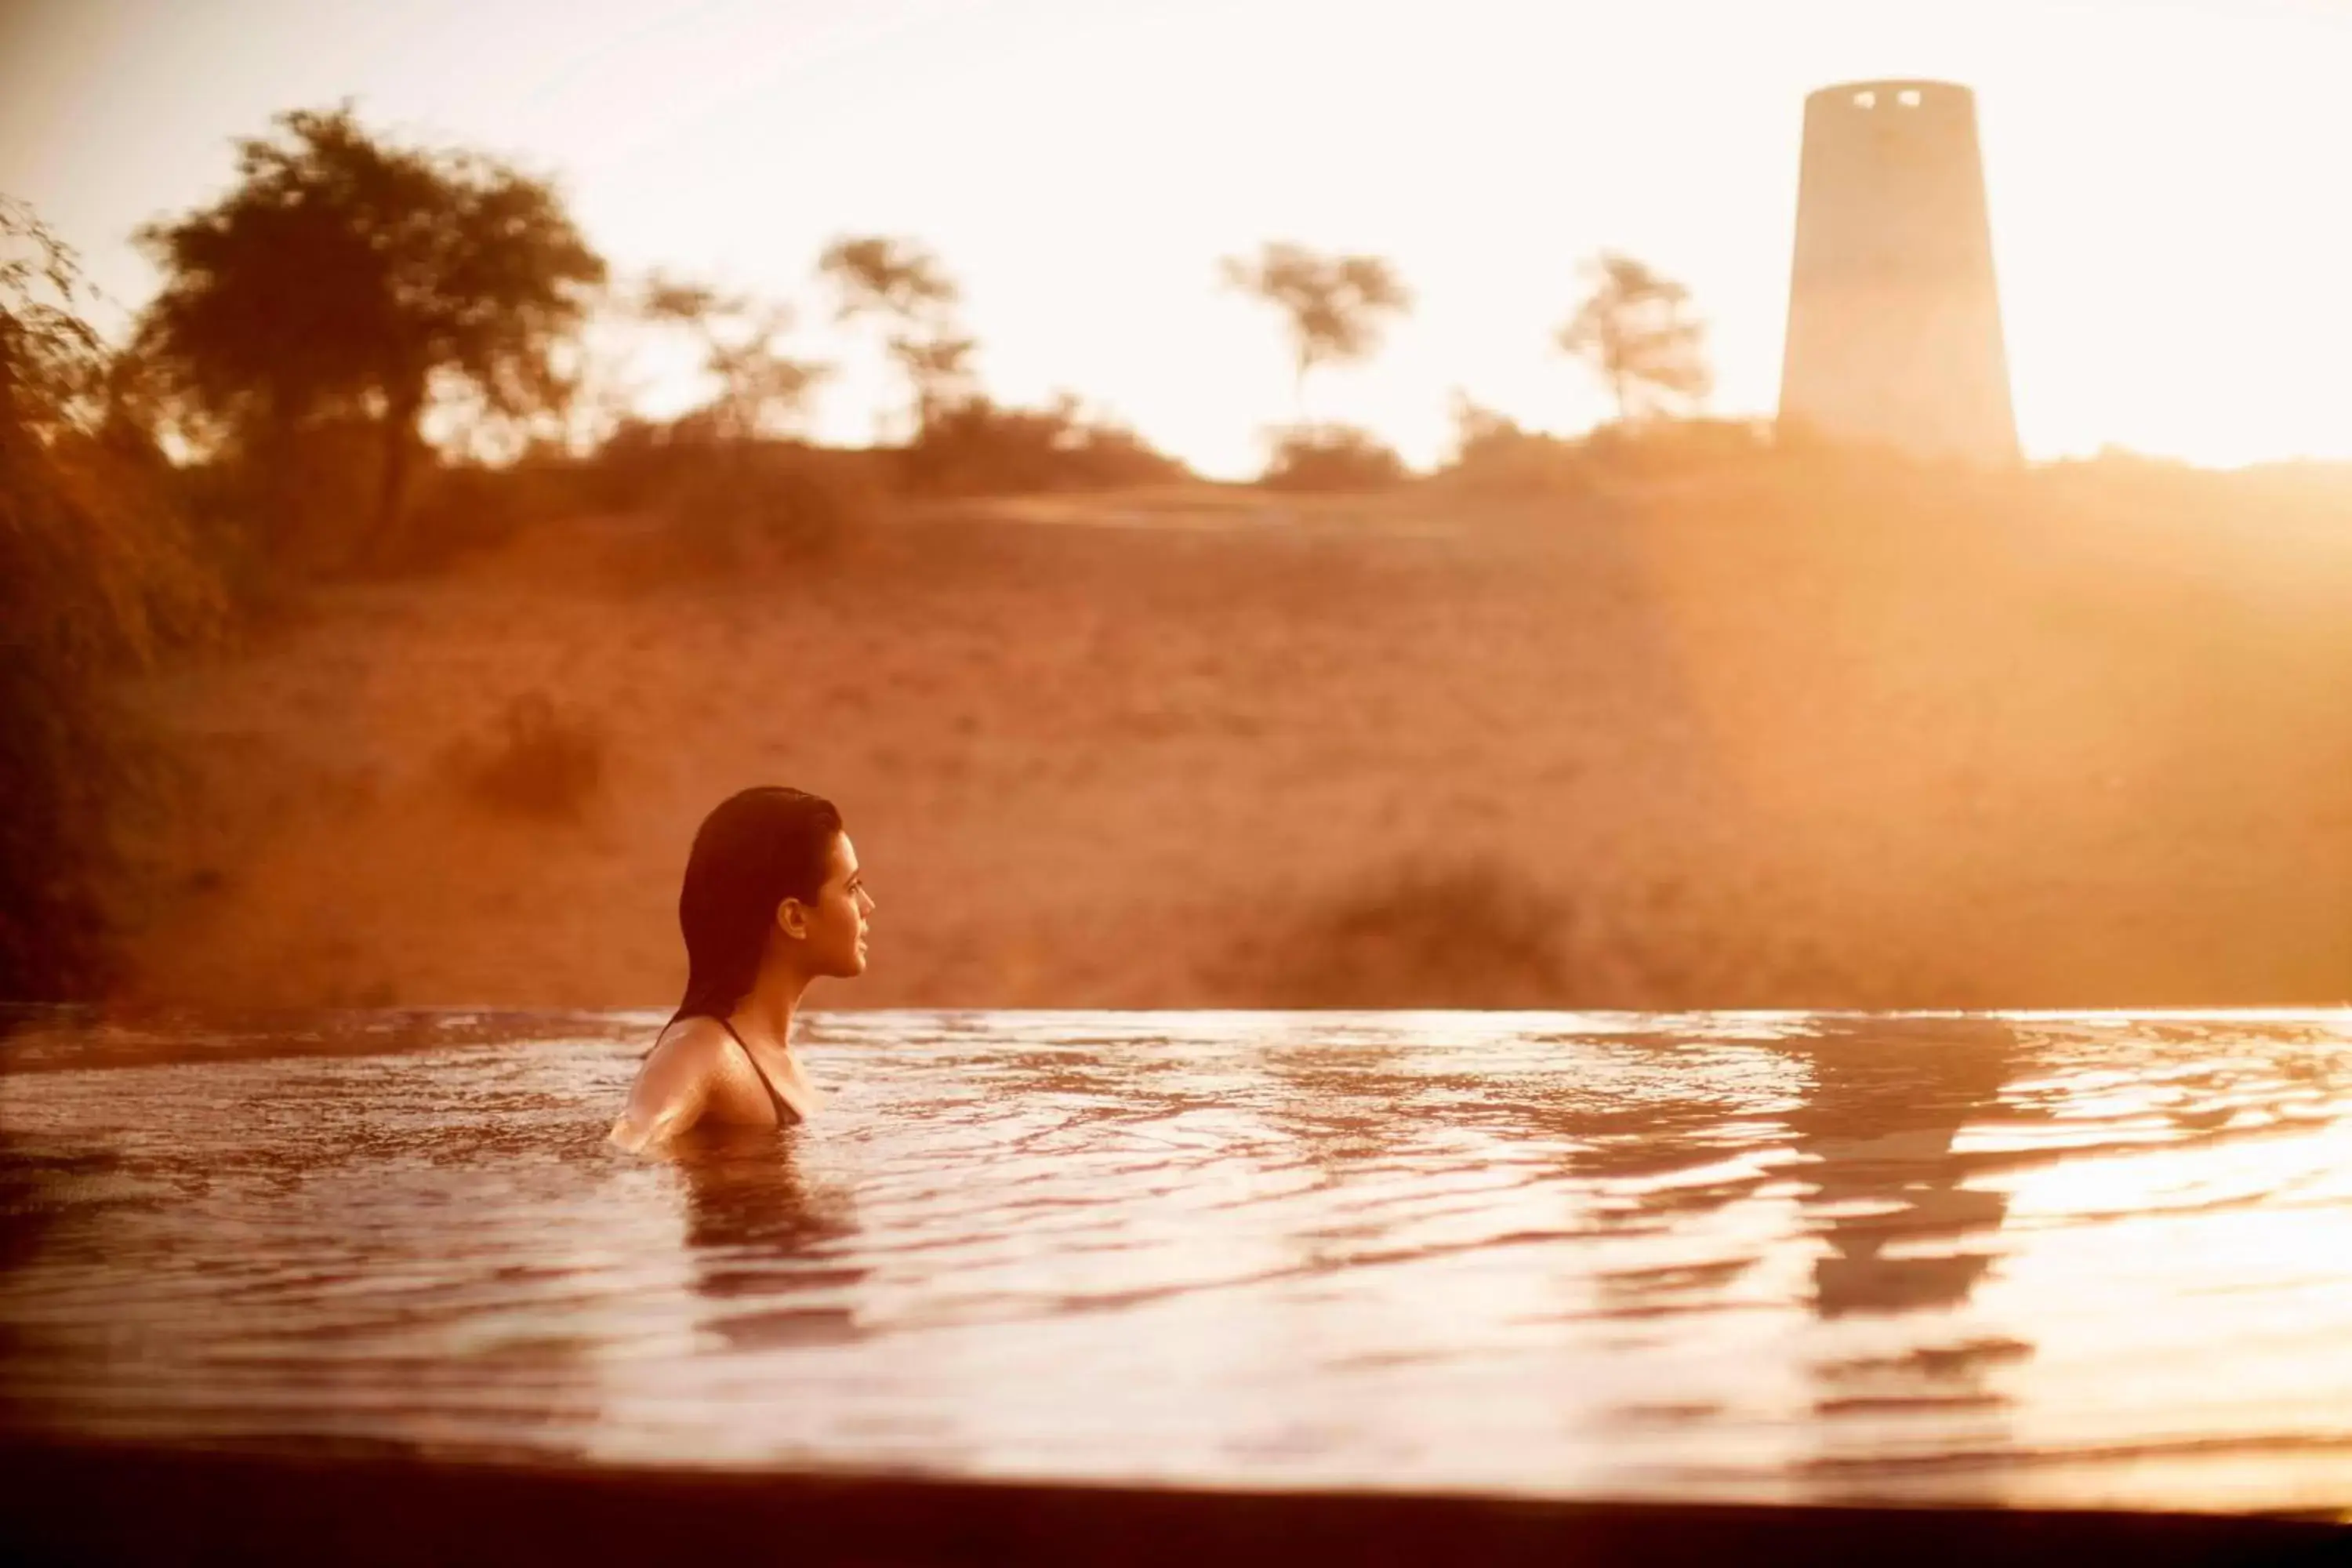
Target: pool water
{"x": 2032, "y": 1259}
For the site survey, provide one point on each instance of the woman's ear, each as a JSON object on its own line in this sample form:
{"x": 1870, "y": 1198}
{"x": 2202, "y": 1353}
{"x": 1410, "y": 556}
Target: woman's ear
{"x": 791, "y": 918}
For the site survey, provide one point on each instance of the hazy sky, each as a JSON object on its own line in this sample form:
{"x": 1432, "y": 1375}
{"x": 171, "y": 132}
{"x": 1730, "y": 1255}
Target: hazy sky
{"x": 2169, "y": 179}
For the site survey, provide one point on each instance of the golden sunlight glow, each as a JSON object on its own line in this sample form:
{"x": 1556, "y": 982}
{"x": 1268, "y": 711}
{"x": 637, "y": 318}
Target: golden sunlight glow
{"x": 2161, "y": 176}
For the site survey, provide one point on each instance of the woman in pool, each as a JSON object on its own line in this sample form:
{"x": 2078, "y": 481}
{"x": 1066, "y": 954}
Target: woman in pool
{"x": 773, "y": 898}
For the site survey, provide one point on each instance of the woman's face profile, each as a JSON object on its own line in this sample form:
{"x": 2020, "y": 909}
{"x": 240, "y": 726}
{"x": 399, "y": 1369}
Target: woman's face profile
{"x": 834, "y": 929}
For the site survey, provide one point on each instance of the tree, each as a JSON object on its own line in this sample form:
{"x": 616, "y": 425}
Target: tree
{"x": 51, "y": 362}
{"x": 344, "y": 276}
{"x": 761, "y": 389}
{"x": 895, "y": 278}
{"x": 732, "y": 493}
{"x": 1336, "y": 306}
{"x": 938, "y": 368}
{"x": 904, "y": 286}
{"x": 96, "y": 577}
{"x": 1635, "y": 329}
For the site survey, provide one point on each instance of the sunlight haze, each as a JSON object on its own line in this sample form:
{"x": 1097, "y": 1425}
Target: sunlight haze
{"x": 2164, "y": 180}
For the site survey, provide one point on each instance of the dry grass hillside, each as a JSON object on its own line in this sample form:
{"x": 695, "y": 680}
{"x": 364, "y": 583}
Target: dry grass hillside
{"x": 1767, "y": 736}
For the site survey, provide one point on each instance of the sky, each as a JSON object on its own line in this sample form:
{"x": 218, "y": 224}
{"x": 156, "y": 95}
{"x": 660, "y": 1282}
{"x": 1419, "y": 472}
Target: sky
{"x": 2168, "y": 179}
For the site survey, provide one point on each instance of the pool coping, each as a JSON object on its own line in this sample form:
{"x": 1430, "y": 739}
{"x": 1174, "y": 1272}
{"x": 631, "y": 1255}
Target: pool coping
{"x": 84, "y": 1501}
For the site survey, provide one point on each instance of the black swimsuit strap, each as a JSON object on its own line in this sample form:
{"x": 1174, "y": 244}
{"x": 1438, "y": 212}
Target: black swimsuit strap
{"x": 784, "y": 1111}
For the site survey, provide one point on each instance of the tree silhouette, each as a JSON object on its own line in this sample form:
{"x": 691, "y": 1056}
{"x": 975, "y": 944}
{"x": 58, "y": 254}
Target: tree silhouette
{"x": 895, "y": 278}
{"x": 1336, "y": 306}
{"x": 761, "y": 390}
{"x": 938, "y": 368}
{"x": 903, "y": 286}
{"x": 1636, "y": 331}
{"x": 344, "y": 275}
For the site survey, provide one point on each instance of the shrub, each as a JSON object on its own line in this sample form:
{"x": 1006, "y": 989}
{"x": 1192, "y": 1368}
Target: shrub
{"x": 1494, "y": 456}
{"x": 632, "y": 468}
{"x": 279, "y": 502}
{"x": 1331, "y": 457}
{"x": 980, "y": 447}
{"x": 1471, "y": 934}
{"x": 732, "y": 504}
{"x": 544, "y": 763}
{"x": 1682, "y": 446}
{"x": 735, "y": 506}
{"x": 460, "y": 509}
{"x": 97, "y": 578}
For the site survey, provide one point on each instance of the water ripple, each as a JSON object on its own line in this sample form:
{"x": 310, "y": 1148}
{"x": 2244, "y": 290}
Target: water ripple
{"x": 2036, "y": 1258}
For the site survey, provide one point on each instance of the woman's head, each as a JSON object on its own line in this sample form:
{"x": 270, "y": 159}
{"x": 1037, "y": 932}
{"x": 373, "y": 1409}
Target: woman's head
{"x": 770, "y": 875}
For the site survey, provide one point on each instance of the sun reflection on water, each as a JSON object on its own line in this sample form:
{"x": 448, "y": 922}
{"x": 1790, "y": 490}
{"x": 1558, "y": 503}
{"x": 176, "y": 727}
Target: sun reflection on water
{"x": 2025, "y": 1258}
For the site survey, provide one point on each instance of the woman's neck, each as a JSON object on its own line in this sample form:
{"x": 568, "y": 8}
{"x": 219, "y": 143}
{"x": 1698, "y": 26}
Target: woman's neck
{"x": 767, "y": 1012}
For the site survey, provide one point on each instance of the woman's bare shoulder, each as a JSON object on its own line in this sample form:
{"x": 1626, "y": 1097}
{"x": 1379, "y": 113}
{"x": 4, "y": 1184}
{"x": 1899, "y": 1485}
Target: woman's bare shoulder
{"x": 673, "y": 1083}
{"x": 699, "y": 1039}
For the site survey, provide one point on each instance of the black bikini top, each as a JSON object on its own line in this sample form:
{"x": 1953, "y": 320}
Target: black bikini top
{"x": 785, "y": 1114}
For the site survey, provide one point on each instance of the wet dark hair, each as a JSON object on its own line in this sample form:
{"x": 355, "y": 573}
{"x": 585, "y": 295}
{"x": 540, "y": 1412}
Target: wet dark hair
{"x": 758, "y": 847}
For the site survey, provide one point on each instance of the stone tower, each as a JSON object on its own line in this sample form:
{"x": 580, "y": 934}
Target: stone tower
{"x": 1894, "y": 317}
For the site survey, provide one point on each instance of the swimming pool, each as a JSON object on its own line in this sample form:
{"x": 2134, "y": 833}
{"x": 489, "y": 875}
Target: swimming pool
{"x": 2086, "y": 1260}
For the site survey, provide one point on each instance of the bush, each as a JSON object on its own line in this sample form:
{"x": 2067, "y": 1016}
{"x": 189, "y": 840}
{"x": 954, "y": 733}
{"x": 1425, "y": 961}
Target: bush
{"x": 275, "y": 507}
{"x": 1331, "y": 457}
{"x": 543, "y": 763}
{"x": 744, "y": 505}
{"x": 460, "y": 509}
{"x": 1494, "y": 456}
{"x": 732, "y": 504}
{"x": 633, "y": 470}
{"x": 1682, "y": 446}
{"x": 1472, "y": 934}
{"x": 280, "y": 505}
{"x": 97, "y": 578}
{"x": 979, "y": 447}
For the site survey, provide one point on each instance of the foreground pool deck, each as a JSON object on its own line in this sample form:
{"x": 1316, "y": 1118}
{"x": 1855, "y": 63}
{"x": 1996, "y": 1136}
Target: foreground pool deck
{"x": 137, "y": 1504}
